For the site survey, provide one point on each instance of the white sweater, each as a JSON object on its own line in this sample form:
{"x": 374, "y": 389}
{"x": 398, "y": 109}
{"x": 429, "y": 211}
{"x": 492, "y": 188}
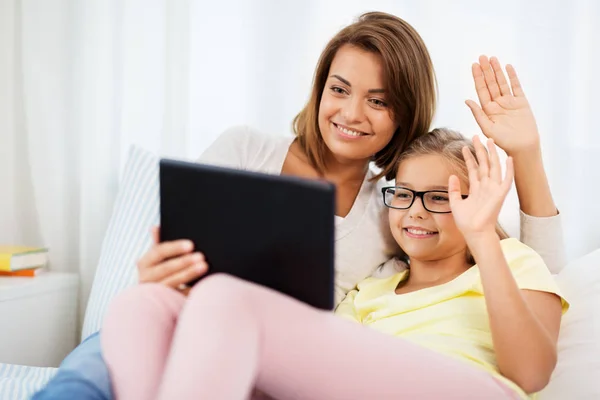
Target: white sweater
{"x": 363, "y": 241}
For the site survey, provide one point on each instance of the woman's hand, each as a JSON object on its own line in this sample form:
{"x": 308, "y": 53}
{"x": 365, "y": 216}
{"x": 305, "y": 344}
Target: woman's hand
{"x": 505, "y": 114}
{"x": 477, "y": 215}
{"x": 171, "y": 263}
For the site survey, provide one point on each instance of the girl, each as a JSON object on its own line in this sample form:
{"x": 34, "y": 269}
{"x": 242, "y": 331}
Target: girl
{"x": 473, "y": 317}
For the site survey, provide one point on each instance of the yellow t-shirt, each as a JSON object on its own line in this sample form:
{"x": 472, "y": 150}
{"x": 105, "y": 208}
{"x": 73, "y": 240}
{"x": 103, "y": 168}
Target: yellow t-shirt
{"x": 451, "y": 318}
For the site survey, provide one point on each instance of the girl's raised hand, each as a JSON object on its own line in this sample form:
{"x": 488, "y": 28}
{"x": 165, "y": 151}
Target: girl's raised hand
{"x": 478, "y": 213}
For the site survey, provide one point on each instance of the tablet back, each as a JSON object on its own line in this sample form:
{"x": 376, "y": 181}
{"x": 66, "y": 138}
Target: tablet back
{"x": 277, "y": 231}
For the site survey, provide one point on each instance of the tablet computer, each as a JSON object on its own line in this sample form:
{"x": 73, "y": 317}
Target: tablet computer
{"x": 274, "y": 230}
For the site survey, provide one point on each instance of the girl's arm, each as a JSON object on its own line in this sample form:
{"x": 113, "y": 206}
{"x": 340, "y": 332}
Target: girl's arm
{"x": 524, "y": 324}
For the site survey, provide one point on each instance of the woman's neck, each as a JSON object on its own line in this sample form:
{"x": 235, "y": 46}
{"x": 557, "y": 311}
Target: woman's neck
{"x": 337, "y": 170}
{"x": 341, "y": 171}
{"x": 436, "y": 272}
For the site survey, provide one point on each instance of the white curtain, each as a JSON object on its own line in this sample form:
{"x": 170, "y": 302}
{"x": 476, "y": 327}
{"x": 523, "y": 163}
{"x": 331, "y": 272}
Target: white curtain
{"x": 81, "y": 80}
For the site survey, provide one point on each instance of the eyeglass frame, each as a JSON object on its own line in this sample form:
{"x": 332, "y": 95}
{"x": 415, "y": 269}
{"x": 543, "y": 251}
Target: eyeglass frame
{"x": 415, "y": 195}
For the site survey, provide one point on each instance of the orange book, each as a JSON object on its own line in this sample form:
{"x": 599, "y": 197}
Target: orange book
{"x": 23, "y": 272}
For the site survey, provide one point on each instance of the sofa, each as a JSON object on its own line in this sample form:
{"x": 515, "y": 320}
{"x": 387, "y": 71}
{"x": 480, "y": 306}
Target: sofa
{"x": 577, "y": 375}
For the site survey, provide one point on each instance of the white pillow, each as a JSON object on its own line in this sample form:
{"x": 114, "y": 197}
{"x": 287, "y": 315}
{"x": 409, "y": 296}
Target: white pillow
{"x": 577, "y": 374}
{"x": 136, "y": 209}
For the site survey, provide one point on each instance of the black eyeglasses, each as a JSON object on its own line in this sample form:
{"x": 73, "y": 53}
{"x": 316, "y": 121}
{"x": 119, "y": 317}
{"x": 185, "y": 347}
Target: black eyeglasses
{"x": 401, "y": 198}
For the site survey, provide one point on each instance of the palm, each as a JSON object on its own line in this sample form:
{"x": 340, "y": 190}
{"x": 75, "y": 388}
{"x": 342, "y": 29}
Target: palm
{"x": 478, "y": 213}
{"x": 505, "y": 114}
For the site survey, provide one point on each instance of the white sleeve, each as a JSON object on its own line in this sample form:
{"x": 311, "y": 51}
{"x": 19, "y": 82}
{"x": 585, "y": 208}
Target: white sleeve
{"x": 545, "y": 236}
{"x": 230, "y": 149}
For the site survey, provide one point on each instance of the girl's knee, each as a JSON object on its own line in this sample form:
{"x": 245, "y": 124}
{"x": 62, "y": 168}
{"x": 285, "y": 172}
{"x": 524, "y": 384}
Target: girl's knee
{"x": 220, "y": 290}
{"x": 218, "y": 283}
{"x": 145, "y": 297}
{"x": 138, "y": 294}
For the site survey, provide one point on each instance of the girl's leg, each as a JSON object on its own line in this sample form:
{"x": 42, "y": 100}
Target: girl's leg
{"x": 233, "y": 335}
{"x": 136, "y": 338}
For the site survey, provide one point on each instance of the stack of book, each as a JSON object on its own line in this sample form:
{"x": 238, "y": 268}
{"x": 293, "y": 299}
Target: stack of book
{"x": 22, "y": 260}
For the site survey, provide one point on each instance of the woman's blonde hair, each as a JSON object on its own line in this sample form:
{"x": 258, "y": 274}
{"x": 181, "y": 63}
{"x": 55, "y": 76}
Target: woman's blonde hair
{"x": 448, "y": 144}
{"x": 409, "y": 81}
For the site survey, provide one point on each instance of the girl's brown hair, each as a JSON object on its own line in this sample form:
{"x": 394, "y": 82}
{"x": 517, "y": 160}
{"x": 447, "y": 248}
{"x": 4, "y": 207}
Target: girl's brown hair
{"x": 448, "y": 144}
{"x": 409, "y": 81}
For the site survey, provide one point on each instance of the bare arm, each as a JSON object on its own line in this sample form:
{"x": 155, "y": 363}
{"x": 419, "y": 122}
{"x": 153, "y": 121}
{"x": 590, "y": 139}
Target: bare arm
{"x": 524, "y": 324}
{"x": 532, "y": 184}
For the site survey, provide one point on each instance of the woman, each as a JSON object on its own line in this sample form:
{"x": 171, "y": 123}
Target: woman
{"x": 373, "y": 92}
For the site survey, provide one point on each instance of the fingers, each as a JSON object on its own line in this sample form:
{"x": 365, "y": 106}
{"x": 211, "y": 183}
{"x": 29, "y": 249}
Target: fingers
{"x": 454, "y": 192}
{"x": 186, "y": 275}
{"x": 491, "y": 83}
{"x": 490, "y": 77}
{"x": 163, "y": 251}
{"x": 514, "y": 81}
{"x": 181, "y": 266}
{"x": 472, "y": 168}
{"x": 500, "y": 78}
{"x": 480, "y": 86}
{"x": 159, "y": 272}
{"x": 481, "y": 117}
{"x": 495, "y": 168}
{"x": 482, "y": 158}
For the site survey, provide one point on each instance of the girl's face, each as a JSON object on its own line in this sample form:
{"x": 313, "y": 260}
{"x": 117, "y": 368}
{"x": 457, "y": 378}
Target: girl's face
{"x": 424, "y": 235}
{"x": 354, "y": 119}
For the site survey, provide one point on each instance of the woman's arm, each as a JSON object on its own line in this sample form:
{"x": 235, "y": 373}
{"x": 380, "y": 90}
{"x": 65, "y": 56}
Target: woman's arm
{"x": 506, "y": 116}
{"x": 533, "y": 189}
{"x": 524, "y": 324}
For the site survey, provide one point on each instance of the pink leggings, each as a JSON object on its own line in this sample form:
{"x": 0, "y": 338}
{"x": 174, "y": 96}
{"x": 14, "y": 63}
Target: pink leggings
{"x": 230, "y": 336}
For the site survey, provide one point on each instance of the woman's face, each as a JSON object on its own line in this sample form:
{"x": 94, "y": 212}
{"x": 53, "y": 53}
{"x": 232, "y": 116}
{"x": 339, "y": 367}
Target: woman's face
{"x": 354, "y": 119}
{"x": 424, "y": 235}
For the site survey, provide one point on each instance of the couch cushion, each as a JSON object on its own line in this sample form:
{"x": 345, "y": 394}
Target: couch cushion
{"x": 19, "y": 382}
{"x": 136, "y": 209}
{"x": 577, "y": 374}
